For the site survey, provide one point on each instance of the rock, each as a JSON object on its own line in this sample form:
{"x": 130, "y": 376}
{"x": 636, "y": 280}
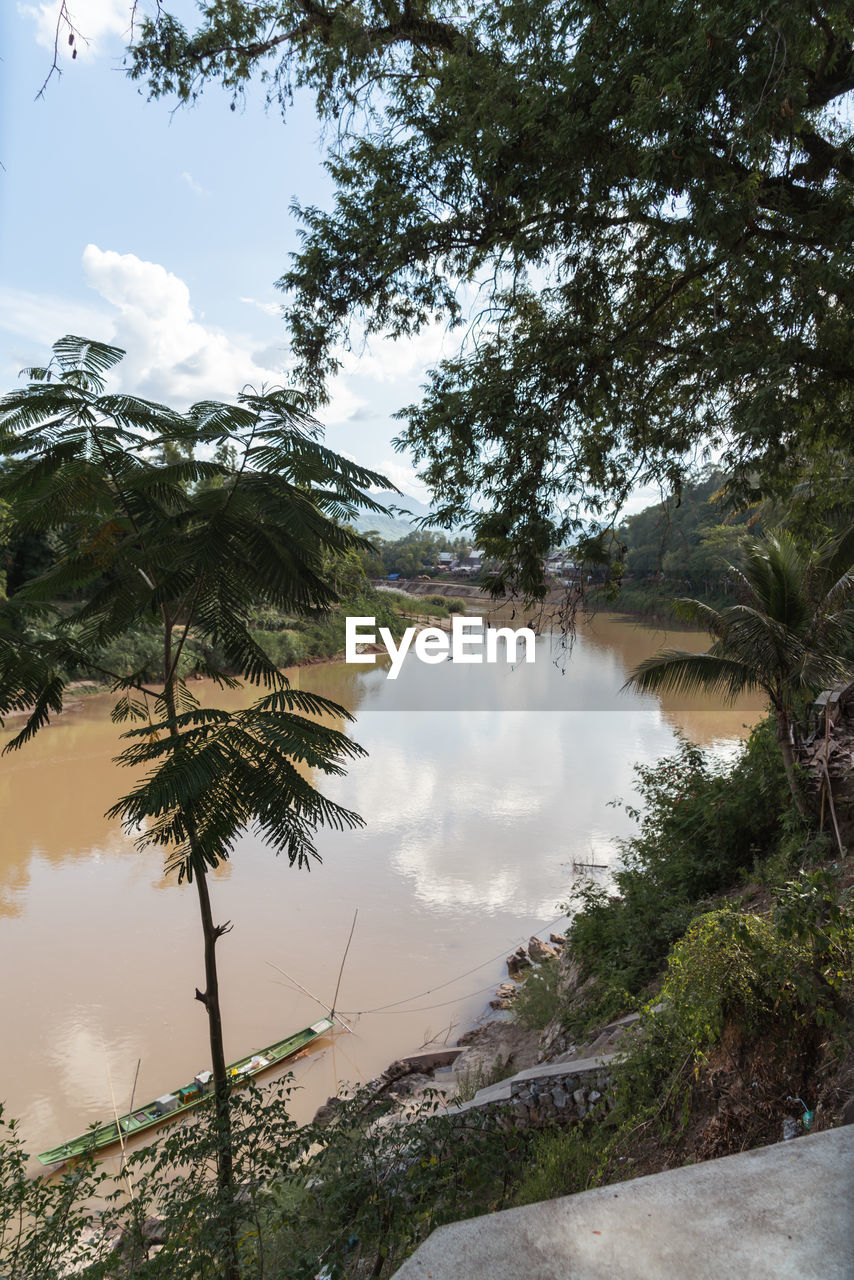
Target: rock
{"x": 559, "y": 1098}
{"x": 579, "y": 1097}
{"x": 496, "y": 1040}
{"x": 396, "y": 1070}
{"x": 134, "y": 1245}
{"x": 413, "y": 1084}
{"x": 557, "y": 940}
{"x": 791, "y": 1128}
{"x": 594, "y": 1095}
{"x": 539, "y": 950}
{"x": 518, "y": 961}
{"x": 504, "y": 996}
{"x": 554, "y": 1042}
{"x": 324, "y": 1115}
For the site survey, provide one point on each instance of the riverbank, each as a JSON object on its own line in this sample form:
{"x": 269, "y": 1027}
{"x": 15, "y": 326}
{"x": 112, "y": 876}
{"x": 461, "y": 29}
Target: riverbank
{"x": 730, "y": 1024}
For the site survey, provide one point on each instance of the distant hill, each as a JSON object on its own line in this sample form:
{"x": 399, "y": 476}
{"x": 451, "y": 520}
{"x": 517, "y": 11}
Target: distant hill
{"x": 391, "y": 528}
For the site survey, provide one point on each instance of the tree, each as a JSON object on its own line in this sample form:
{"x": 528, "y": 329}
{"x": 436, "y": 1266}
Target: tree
{"x": 785, "y": 637}
{"x": 146, "y": 530}
{"x": 652, "y": 201}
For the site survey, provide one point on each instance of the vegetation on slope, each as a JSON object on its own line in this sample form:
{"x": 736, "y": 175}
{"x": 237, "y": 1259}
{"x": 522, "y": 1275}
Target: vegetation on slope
{"x": 731, "y": 929}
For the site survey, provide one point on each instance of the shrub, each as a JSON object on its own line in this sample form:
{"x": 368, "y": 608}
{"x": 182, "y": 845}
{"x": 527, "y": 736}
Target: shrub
{"x": 286, "y": 648}
{"x": 701, "y": 827}
{"x": 538, "y": 1000}
{"x": 729, "y": 967}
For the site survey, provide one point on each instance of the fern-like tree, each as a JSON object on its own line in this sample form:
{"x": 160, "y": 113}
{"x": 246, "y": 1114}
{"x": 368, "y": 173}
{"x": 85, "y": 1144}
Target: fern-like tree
{"x": 785, "y": 637}
{"x": 149, "y": 532}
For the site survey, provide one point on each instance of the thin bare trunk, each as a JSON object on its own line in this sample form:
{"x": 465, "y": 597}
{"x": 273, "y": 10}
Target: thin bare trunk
{"x": 210, "y": 999}
{"x": 789, "y": 763}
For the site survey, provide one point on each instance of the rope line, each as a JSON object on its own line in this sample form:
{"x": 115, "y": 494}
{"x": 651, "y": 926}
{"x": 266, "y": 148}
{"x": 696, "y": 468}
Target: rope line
{"x": 394, "y": 1004}
{"x": 423, "y": 1008}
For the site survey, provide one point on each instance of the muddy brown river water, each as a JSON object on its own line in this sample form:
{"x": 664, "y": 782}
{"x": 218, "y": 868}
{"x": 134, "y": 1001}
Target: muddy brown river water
{"x": 482, "y": 786}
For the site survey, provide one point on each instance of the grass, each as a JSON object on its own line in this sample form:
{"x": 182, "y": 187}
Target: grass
{"x": 481, "y": 1077}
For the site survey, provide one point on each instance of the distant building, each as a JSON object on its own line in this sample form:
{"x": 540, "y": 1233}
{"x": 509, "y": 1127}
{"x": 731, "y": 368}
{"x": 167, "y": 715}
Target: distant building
{"x": 472, "y": 563}
{"x": 559, "y": 564}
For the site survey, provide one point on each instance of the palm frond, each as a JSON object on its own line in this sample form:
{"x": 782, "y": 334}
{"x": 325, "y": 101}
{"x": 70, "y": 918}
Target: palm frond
{"x": 73, "y": 352}
{"x": 674, "y": 671}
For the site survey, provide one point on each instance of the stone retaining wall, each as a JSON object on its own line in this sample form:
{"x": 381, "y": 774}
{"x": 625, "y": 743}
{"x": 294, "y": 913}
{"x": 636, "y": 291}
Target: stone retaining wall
{"x": 554, "y": 1092}
{"x": 573, "y": 1096}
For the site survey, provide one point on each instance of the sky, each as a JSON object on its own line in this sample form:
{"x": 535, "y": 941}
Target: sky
{"x": 163, "y": 232}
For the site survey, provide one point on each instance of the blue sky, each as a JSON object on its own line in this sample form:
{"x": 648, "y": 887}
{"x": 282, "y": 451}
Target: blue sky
{"x": 163, "y": 231}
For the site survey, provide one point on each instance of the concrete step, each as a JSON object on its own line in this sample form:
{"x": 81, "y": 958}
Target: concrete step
{"x": 777, "y": 1213}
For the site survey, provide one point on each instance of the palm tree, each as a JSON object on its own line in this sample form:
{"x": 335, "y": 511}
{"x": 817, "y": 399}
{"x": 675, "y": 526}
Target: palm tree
{"x": 785, "y": 637}
{"x": 147, "y": 532}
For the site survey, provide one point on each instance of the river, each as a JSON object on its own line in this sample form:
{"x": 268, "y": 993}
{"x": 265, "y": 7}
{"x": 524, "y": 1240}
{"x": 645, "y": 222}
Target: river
{"x": 481, "y": 788}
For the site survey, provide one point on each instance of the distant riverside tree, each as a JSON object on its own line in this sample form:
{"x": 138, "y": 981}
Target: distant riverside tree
{"x": 652, "y": 201}
{"x": 146, "y": 531}
{"x": 785, "y": 637}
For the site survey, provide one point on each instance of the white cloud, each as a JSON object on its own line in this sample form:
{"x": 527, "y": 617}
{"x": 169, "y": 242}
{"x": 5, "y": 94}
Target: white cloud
{"x": 375, "y": 379}
{"x": 91, "y": 20}
{"x": 269, "y": 308}
{"x": 34, "y": 322}
{"x": 171, "y": 355}
{"x": 343, "y": 404}
{"x": 196, "y": 187}
{"x": 394, "y": 360}
{"x": 42, "y": 318}
{"x": 405, "y": 479}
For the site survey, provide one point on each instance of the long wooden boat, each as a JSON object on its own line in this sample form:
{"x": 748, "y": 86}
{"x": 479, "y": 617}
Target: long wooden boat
{"x": 172, "y": 1105}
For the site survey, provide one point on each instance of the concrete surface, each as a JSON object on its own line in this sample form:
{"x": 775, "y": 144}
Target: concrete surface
{"x": 784, "y": 1212}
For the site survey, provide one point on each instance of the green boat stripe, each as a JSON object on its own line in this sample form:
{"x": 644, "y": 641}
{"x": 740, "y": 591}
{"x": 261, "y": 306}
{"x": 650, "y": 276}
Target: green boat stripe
{"x": 104, "y": 1135}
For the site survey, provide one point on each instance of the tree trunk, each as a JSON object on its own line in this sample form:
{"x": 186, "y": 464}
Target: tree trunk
{"x": 224, "y": 1147}
{"x": 789, "y": 763}
{"x": 210, "y": 999}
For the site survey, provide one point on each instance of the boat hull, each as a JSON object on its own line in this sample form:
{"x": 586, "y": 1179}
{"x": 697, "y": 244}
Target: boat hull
{"x": 171, "y": 1106}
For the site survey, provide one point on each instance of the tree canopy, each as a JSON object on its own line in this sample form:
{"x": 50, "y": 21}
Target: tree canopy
{"x": 145, "y": 530}
{"x": 651, "y": 200}
{"x": 689, "y": 542}
{"x": 786, "y": 636}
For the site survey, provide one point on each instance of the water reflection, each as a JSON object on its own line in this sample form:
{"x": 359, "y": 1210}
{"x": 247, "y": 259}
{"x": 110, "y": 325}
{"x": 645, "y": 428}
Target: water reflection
{"x": 474, "y": 819}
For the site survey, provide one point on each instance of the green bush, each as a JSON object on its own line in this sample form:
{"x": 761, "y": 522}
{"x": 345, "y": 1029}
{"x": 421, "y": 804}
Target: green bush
{"x": 351, "y": 1199}
{"x": 787, "y": 972}
{"x": 564, "y": 1161}
{"x": 538, "y": 999}
{"x": 729, "y": 967}
{"x": 286, "y": 648}
{"x": 43, "y": 1222}
{"x": 701, "y": 828}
